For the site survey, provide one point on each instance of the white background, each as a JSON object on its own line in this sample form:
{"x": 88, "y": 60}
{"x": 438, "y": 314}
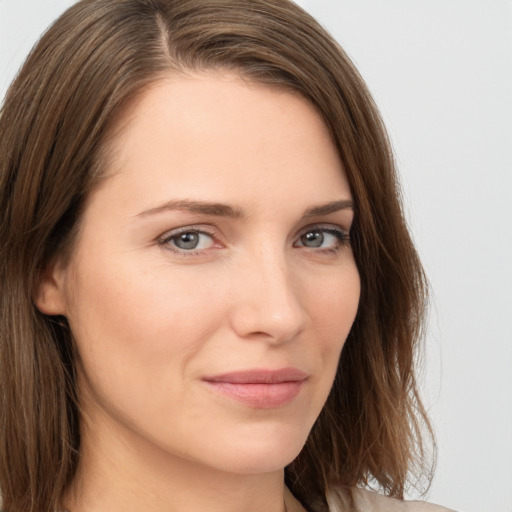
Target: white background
{"x": 441, "y": 72}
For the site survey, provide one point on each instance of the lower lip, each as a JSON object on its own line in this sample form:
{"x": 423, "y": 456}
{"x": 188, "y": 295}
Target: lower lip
{"x": 259, "y": 396}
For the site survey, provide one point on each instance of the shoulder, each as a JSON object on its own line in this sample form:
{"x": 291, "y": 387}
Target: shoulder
{"x": 369, "y": 501}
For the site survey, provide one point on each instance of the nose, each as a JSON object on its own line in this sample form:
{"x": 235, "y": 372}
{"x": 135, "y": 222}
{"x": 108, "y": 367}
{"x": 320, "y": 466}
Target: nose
{"x": 267, "y": 300}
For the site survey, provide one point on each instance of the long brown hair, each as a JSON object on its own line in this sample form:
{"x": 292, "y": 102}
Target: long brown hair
{"x": 54, "y": 128}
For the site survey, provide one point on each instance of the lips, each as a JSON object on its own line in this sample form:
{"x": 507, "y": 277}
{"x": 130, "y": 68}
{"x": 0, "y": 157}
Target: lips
{"x": 262, "y": 389}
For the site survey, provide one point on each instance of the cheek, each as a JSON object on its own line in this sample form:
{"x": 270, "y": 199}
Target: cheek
{"x": 138, "y": 334}
{"x": 135, "y": 326}
{"x": 332, "y": 308}
{"x": 129, "y": 304}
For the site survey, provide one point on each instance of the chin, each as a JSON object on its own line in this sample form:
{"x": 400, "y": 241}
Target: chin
{"x": 266, "y": 450}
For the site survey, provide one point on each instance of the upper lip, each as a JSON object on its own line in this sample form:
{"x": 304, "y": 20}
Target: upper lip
{"x": 260, "y": 376}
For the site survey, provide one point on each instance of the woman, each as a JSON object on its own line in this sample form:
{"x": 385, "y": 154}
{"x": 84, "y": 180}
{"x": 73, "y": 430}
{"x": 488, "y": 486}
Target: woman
{"x": 210, "y": 300}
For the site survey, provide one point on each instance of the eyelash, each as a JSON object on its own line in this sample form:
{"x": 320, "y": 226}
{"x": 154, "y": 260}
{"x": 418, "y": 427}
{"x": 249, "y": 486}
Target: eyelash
{"x": 342, "y": 237}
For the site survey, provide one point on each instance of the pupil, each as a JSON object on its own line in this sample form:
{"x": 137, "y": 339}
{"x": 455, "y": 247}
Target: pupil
{"x": 313, "y": 239}
{"x": 187, "y": 240}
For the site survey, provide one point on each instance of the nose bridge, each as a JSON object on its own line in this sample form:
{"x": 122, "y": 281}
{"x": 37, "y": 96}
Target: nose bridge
{"x": 268, "y": 302}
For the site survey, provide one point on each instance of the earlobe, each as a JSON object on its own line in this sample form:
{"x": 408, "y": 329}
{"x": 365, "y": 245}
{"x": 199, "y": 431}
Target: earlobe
{"x": 49, "y": 298}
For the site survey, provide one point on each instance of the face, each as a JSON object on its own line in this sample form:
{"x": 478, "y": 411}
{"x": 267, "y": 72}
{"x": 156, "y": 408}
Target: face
{"x": 212, "y": 284}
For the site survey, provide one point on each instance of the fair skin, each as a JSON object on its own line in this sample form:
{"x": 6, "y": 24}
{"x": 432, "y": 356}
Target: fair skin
{"x": 166, "y": 295}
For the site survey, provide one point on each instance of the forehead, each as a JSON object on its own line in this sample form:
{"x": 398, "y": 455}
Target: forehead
{"x": 215, "y": 129}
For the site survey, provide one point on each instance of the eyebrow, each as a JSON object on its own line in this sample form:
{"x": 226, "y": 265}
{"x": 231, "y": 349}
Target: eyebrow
{"x": 224, "y": 210}
{"x": 203, "y": 207}
{"x": 326, "y": 209}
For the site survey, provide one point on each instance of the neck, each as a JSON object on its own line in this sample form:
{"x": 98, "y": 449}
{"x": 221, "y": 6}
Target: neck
{"x": 121, "y": 472}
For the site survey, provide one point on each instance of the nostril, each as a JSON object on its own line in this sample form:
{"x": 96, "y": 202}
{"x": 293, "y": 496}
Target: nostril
{"x": 267, "y": 322}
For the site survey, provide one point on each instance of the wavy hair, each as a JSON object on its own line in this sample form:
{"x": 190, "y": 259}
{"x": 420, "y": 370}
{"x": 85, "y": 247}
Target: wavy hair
{"x": 55, "y": 125}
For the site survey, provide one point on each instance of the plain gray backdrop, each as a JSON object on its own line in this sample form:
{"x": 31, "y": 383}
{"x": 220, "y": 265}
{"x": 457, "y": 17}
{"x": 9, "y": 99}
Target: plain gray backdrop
{"x": 441, "y": 72}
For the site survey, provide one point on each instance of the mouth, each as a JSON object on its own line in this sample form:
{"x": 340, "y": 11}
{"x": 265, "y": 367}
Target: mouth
{"x": 259, "y": 389}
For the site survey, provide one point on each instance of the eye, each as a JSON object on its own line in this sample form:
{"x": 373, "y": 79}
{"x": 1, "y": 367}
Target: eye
{"x": 329, "y": 238}
{"x": 187, "y": 240}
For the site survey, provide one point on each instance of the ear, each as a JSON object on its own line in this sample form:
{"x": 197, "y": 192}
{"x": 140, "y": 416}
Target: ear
{"x": 50, "y": 296}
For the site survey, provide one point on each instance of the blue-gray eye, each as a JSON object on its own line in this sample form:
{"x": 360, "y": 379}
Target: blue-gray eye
{"x": 323, "y": 238}
{"x": 187, "y": 240}
{"x": 190, "y": 240}
{"x": 312, "y": 239}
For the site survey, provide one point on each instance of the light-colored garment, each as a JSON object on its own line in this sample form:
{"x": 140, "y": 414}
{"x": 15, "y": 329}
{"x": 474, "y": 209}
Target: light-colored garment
{"x": 367, "y": 501}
